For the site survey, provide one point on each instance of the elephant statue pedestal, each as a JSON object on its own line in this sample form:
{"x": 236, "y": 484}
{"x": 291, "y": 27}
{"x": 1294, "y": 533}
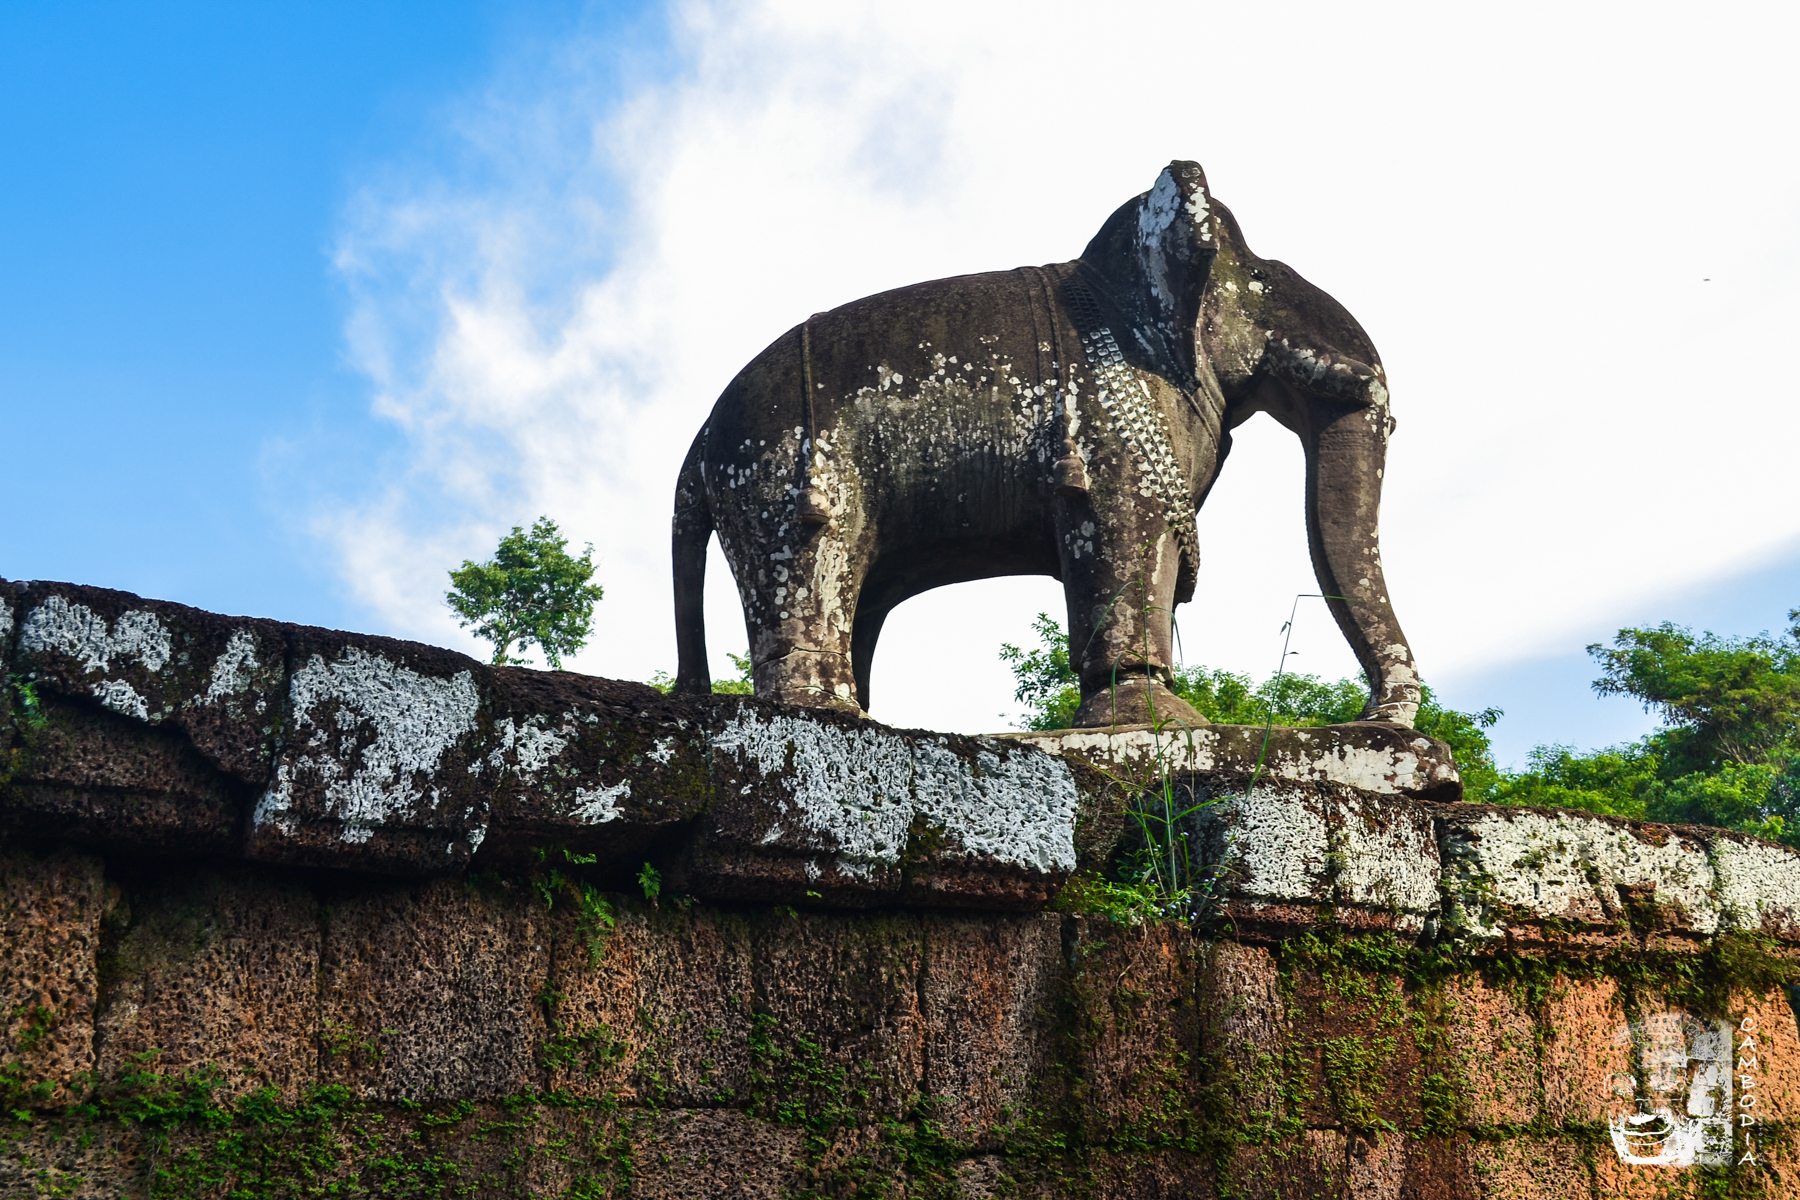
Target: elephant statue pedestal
{"x": 1273, "y": 825}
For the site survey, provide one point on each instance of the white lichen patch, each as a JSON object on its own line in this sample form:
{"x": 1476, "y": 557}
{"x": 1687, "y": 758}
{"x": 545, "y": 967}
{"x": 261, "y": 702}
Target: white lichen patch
{"x": 122, "y": 698}
{"x": 1134, "y": 750}
{"x": 1015, "y": 808}
{"x": 1566, "y": 867}
{"x": 1386, "y": 856}
{"x": 1758, "y": 886}
{"x": 846, "y": 791}
{"x": 231, "y": 670}
{"x": 854, "y": 793}
{"x": 596, "y": 806}
{"x": 56, "y": 626}
{"x": 528, "y": 746}
{"x": 371, "y": 733}
{"x": 1273, "y": 846}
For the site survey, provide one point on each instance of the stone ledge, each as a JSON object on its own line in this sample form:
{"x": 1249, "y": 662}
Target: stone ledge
{"x": 1288, "y": 823}
{"x": 169, "y": 732}
{"x": 1530, "y": 876}
{"x": 173, "y": 731}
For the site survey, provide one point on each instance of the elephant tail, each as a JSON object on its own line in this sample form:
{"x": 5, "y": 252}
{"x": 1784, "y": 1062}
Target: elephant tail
{"x": 692, "y": 532}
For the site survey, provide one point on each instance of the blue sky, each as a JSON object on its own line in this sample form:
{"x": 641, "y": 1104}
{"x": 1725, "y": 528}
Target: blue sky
{"x": 302, "y": 304}
{"x": 172, "y": 351}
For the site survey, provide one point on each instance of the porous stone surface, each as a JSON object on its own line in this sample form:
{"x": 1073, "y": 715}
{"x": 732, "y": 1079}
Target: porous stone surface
{"x": 1525, "y": 876}
{"x": 434, "y": 991}
{"x": 1528, "y": 1168}
{"x": 1493, "y": 1040}
{"x": 847, "y": 984}
{"x": 491, "y": 1037}
{"x": 832, "y": 808}
{"x": 163, "y": 726}
{"x": 1582, "y": 1052}
{"x": 220, "y": 972}
{"x": 50, "y": 914}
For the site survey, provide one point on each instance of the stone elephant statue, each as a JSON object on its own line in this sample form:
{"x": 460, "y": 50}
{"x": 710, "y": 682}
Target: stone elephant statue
{"x": 1064, "y": 420}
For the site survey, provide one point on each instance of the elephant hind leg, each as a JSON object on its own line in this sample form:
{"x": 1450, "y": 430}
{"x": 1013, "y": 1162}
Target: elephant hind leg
{"x": 800, "y": 635}
{"x": 862, "y": 649}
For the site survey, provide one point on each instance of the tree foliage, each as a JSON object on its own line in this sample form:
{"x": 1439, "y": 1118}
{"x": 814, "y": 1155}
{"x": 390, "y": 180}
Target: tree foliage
{"x": 743, "y": 685}
{"x": 531, "y": 593}
{"x": 1728, "y": 752}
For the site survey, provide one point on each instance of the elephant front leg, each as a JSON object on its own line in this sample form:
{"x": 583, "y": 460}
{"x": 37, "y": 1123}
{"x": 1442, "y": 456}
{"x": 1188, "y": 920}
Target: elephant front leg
{"x": 1119, "y": 579}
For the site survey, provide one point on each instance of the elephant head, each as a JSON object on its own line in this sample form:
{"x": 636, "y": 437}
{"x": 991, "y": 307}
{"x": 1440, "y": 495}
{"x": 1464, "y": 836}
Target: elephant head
{"x": 1251, "y": 335}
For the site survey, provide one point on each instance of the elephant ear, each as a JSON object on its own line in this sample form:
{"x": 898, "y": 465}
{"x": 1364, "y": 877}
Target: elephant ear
{"x": 1177, "y": 240}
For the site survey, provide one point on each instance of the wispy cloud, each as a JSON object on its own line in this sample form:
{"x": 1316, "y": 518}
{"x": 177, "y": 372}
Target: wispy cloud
{"x": 1521, "y": 209}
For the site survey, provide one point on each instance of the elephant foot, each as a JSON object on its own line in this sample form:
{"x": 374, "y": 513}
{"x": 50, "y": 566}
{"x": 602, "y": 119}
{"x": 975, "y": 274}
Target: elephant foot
{"x": 1136, "y": 700}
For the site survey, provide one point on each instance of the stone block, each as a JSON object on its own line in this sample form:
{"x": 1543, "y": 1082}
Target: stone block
{"x": 93, "y": 778}
{"x": 600, "y": 766}
{"x": 1273, "y": 859}
{"x": 1244, "y": 1029}
{"x": 1327, "y": 818}
{"x": 1439, "y": 1168}
{"x": 663, "y": 1017}
{"x": 1758, "y": 884}
{"x": 1529, "y": 876}
{"x": 680, "y": 1154}
{"x": 1145, "y": 1175}
{"x": 1370, "y": 758}
{"x": 216, "y": 971}
{"x": 434, "y": 992}
{"x": 378, "y": 768}
{"x": 1136, "y": 1056}
{"x": 1376, "y": 1165}
{"x": 1530, "y": 1168}
{"x": 1583, "y": 1055}
{"x": 1494, "y": 1043}
{"x": 1311, "y": 1165}
{"x": 51, "y": 909}
{"x": 987, "y": 1002}
{"x": 838, "y": 992}
{"x": 820, "y": 806}
{"x": 1354, "y": 1032}
{"x": 216, "y": 679}
{"x": 70, "y": 1159}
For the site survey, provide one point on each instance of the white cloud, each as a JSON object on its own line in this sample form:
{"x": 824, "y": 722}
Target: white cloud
{"x": 1520, "y": 206}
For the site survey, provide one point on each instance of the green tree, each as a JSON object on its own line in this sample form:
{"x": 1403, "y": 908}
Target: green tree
{"x": 531, "y": 593}
{"x": 1728, "y": 752}
{"x": 1722, "y": 700}
{"x": 1046, "y": 684}
{"x": 743, "y": 685}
